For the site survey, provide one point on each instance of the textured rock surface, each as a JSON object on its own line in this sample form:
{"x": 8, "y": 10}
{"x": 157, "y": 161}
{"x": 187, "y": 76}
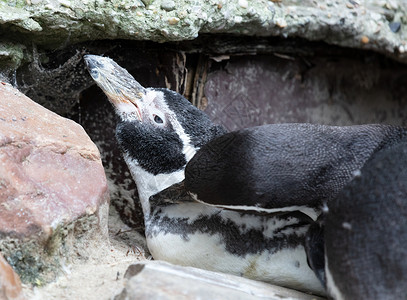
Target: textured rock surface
{"x": 256, "y": 90}
{"x": 10, "y": 284}
{"x": 53, "y": 191}
{"x": 379, "y": 25}
{"x": 160, "y": 280}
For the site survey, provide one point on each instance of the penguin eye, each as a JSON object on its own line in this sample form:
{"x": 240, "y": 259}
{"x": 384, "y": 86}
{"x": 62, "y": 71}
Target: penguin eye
{"x": 158, "y": 120}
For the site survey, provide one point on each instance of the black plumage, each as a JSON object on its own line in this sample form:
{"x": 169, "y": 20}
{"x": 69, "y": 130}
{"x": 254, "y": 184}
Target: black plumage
{"x": 366, "y": 231}
{"x": 282, "y": 165}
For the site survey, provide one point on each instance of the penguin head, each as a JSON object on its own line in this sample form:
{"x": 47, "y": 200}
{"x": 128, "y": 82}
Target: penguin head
{"x": 159, "y": 130}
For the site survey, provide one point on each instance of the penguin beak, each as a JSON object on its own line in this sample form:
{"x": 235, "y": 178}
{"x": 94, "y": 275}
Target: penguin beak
{"x": 122, "y": 90}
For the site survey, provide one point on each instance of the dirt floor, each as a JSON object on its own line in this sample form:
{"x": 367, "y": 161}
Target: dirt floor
{"x": 100, "y": 276}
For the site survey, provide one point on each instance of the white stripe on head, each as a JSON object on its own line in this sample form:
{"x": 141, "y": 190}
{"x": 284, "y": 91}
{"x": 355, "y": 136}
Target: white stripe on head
{"x": 147, "y": 183}
{"x": 188, "y": 149}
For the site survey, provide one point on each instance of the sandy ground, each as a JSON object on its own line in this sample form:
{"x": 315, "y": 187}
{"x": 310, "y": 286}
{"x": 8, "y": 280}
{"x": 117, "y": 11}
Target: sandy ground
{"x": 101, "y": 275}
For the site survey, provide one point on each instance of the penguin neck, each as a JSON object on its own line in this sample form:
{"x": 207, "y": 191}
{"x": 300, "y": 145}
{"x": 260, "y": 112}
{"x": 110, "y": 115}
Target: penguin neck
{"x": 149, "y": 184}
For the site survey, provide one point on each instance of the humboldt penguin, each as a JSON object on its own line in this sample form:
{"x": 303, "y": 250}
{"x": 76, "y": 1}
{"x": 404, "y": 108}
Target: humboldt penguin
{"x": 288, "y": 167}
{"x": 366, "y": 231}
{"x": 158, "y": 132}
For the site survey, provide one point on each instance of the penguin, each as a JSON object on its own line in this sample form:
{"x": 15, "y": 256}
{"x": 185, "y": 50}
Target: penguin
{"x": 288, "y": 167}
{"x": 365, "y": 231}
{"x": 159, "y": 132}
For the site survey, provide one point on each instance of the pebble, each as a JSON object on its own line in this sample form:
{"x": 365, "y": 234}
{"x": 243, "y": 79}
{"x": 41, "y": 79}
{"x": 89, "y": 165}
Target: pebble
{"x": 65, "y": 3}
{"x": 182, "y": 14}
{"x": 364, "y": 39}
{"x": 243, "y": 3}
{"x": 173, "y": 20}
{"x": 168, "y": 5}
{"x": 280, "y": 22}
{"x": 395, "y": 26}
{"x": 391, "y": 4}
{"x": 251, "y": 12}
{"x": 238, "y": 19}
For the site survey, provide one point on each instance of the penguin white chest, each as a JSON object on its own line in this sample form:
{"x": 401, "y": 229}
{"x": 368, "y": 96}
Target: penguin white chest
{"x": 252, "y": 246}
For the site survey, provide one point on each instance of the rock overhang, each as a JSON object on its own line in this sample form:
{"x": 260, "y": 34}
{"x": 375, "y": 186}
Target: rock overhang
{"x": 374, "y": 25}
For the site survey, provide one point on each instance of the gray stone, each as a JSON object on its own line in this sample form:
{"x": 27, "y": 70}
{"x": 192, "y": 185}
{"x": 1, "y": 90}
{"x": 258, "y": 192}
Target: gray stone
{"x": 52, "y": 24}
{"x": 11, "y": 54}
{"x": 160, "y": 280}
{"x": 168, "y": 5}
{"x": 395, "y": 26}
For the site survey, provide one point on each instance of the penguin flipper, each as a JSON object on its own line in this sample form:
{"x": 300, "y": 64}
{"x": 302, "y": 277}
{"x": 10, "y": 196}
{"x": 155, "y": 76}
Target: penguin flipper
{"x": 314, "y": 248}
{"x": 176, "y": 193}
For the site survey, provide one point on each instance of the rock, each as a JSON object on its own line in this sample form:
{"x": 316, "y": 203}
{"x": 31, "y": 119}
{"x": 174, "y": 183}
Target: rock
{"x": 173, "y": 20}
{"x": 53, "y": 192}
{"x": 161, "y": 280}
{"x": 168, "y": 5}
{"x": 52, "y": 24}
{"x": 395, "y": 26}
{"x": 11, "y": 54}
{"x": 67, "y": 79}
{"x": 10, "y": 284}
{"x": 251, "y": 91}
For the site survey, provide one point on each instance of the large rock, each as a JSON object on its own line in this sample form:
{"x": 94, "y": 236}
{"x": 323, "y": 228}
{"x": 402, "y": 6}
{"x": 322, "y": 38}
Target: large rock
{"x": 378, "y": 24}
{"x": 10, "y": 284}
{"x": 161, "y": 280}
{"x": 53, "y": 192}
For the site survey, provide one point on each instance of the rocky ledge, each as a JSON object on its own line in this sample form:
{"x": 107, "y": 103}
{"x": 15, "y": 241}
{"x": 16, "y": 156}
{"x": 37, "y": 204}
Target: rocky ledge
{"x": 379, "y": 25}
{"x": 161, "y": 280}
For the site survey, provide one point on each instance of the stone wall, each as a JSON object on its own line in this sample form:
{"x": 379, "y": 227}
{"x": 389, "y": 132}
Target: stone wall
{"x": 54, "y": 24}
{"x": 244, "y": 62}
